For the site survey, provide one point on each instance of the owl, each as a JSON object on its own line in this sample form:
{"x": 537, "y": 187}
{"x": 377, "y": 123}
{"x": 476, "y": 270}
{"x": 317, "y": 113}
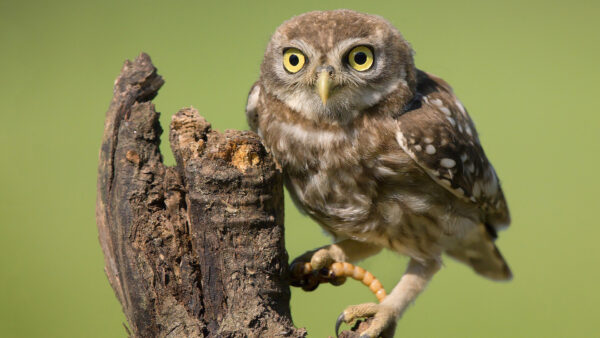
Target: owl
{"x": 379, "y": 153}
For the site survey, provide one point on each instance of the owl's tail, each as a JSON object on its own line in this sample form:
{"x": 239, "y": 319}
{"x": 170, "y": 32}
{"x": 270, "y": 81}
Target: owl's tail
{"x": 479, "y": 252}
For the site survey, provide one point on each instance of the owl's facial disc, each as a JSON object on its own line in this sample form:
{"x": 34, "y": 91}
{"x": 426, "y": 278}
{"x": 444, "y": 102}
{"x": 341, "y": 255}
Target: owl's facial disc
{"x": 331, "y": 66}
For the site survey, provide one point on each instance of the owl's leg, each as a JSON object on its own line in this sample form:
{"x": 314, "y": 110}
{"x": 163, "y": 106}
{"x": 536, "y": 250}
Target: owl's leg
{"x": 347, "y": 250}
{"x": 344, "y": 251}
{"x": 386, "y": 314}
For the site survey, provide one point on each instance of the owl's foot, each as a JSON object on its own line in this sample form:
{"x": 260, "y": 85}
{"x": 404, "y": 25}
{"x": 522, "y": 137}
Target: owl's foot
{"x": 382, "y": 325}
{"x": 312, "y": 268}
{"x": 310, "y": 275}
{"x": 318, "y": 259}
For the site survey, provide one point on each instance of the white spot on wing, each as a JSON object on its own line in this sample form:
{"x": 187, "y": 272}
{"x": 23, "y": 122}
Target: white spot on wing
{"x": 468, "y": 130}
{"x": 430, "y": 149}
{"x": 447, "y": 163}
{"x": 452, "y": 121}
{"x": 460, "y": 107}
{"x": 434, "y": 174}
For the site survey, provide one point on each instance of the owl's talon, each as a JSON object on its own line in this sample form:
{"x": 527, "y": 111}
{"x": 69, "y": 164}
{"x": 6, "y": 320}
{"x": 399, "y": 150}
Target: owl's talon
{"x": 383, "y": 323}
{"x": 338, "y": 323}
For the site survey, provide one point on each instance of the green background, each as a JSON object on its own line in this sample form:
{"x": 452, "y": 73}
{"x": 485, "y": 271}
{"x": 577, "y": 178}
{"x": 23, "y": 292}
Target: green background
{"x": 527, "y": 71}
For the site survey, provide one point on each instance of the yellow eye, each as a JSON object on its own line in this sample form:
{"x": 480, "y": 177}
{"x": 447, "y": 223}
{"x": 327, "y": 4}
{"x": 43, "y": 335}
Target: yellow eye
{"x": 361, "y": 58}
{"x": 293, "y": 60}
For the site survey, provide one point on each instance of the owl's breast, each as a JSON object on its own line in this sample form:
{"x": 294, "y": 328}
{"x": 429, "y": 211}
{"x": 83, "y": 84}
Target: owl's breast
{"x": 322, "y": 166}
{"x": 339, "y": 200}
{"x": 337, "y": 175}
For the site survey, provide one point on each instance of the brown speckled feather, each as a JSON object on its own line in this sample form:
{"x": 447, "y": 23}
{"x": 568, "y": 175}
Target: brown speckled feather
{"x": 441, "y": 137}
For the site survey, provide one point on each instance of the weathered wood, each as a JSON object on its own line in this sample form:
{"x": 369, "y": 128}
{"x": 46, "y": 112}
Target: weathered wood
{"x": 196, "y": 249}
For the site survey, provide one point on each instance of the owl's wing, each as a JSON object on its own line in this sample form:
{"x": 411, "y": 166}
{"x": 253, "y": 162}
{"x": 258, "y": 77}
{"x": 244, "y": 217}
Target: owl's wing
{"x": 252, "y": 107}
{"x": 436, "y": 131}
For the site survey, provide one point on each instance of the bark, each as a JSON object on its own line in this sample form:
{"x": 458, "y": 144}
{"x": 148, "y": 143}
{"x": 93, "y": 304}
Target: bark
{"x": 196, "y": 249}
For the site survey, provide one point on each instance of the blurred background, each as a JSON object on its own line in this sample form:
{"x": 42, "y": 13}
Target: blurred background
{"x": 526, "y": 70}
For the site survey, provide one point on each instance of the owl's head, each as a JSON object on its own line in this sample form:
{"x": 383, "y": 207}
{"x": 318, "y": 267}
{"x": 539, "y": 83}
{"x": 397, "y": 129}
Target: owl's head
{"x": 331, "y": 65}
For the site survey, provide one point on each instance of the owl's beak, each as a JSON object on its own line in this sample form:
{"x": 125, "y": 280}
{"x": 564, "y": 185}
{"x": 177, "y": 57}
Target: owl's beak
{"x": 324, "y": 85}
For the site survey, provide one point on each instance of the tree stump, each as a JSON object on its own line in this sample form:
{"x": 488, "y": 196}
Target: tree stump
{"x": 195, "y": 250}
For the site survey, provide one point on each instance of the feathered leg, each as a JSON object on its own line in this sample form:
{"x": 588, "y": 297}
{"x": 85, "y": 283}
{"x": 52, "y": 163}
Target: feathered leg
{"x": 387, "y": 313}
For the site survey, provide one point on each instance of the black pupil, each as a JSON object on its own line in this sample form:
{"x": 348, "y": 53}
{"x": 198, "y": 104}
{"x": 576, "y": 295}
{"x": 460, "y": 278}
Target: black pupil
{"x": 360, "y": 58}
{"x": 294, "y": 60}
